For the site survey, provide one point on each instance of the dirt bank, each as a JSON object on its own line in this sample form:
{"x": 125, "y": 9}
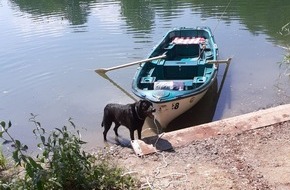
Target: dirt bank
{"x": 253, "y": 159}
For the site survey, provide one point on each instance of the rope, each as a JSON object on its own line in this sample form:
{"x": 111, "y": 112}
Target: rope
{"x": 222, "y": 15}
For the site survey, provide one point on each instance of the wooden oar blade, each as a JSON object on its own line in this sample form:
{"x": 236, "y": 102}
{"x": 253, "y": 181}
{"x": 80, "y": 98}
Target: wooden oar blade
{"x": 101, "y": 71}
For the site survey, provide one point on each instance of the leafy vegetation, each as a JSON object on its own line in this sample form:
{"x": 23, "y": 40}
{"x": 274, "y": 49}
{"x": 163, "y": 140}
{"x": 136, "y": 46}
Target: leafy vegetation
{"x": 287, "y": 57}
{"x": 285, "y": 63}
{"x": 2, "y": 160}
{"x": 62, "y": 164}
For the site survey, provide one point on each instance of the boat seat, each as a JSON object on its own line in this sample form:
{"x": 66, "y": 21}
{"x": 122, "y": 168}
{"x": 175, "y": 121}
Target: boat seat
{"x": 186, "y": 50}
{"x": 180, "y": 69}
{"x": 178, "y": 51}
{"x": 185, "y": 63}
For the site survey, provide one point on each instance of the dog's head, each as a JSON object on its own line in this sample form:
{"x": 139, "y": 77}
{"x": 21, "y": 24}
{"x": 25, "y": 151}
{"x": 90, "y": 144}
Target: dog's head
{"x": 144, "y": 109}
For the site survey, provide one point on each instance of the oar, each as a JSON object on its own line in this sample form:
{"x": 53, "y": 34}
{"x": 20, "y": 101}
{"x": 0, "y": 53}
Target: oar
{"x": 115, "y": 84}
{"x": 104, "y": 70}
{"x": 228, "y": 61}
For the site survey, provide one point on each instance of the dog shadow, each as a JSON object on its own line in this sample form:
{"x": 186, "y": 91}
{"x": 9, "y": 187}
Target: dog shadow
{"x": 145, "y": 146}
{"x": 159, "y": 143}
{"x": 120, "y": 141}
{"x": 151, "y": 145}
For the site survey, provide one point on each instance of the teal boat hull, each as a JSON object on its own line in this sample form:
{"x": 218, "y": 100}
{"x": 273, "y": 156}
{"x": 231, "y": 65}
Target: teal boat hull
{"x": 177, "y": 82}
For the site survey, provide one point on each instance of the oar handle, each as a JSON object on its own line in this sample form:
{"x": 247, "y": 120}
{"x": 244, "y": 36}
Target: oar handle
{"x": 104, "y": 70}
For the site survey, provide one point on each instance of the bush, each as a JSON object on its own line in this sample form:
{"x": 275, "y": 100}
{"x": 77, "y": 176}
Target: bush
{"x": 62, "y": 164}
{"x": 2, "y": 160}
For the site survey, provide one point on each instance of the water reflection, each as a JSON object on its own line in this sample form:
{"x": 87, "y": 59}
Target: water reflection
{"x": 141, "y": 15}
{"x": 76, "y": 12}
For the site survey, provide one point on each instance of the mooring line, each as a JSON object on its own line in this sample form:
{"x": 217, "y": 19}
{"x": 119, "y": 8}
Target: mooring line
{"x": 222, "y": 15}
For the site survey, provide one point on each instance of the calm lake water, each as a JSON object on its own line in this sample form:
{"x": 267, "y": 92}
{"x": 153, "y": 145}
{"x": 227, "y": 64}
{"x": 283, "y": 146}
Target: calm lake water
{"x": 50, "y": 49}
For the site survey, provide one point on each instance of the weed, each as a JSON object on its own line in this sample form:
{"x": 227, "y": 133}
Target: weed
{"x": 2, "y": 160}
{"x": 62, "y": 164}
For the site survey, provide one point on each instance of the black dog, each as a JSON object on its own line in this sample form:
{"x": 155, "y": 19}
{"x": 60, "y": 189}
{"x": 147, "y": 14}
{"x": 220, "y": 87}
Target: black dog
{"x": 131, "y": 116}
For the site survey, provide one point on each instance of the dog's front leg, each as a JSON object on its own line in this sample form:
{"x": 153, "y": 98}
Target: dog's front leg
{"x": 139, "y": 133}
{"x": 132, "y": 134}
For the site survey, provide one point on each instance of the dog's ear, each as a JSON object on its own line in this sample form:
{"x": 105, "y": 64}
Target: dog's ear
{"x": 149, "y": 103}
{"x": 139, "y": 103}
{"x": 142, "y": 104}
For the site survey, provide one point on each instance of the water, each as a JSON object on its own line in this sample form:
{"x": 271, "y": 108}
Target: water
{"x": 49, "y": 50}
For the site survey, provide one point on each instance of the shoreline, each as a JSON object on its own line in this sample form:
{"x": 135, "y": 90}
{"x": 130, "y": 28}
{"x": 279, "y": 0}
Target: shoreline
{"x": 245, "y": 152}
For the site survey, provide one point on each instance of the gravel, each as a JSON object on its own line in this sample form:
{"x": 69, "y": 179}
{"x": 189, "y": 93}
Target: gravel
{"x": 254, "y": 159}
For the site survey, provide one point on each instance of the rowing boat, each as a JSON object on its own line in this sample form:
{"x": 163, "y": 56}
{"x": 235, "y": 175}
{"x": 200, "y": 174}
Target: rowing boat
{"x": 181, "y": 75}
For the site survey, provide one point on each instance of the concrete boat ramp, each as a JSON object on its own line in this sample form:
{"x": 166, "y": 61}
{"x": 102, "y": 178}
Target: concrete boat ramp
{"x": 238, "y": 124}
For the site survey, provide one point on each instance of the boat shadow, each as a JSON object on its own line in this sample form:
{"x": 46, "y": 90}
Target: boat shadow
{"x": 202, "y": 112}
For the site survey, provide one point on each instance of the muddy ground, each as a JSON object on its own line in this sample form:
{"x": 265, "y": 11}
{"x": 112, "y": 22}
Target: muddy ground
{"x": 254, "y": 159}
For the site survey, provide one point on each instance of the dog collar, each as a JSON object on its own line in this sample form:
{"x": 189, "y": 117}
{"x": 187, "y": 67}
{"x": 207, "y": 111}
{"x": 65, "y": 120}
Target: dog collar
{"x": 136, "y": 110}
